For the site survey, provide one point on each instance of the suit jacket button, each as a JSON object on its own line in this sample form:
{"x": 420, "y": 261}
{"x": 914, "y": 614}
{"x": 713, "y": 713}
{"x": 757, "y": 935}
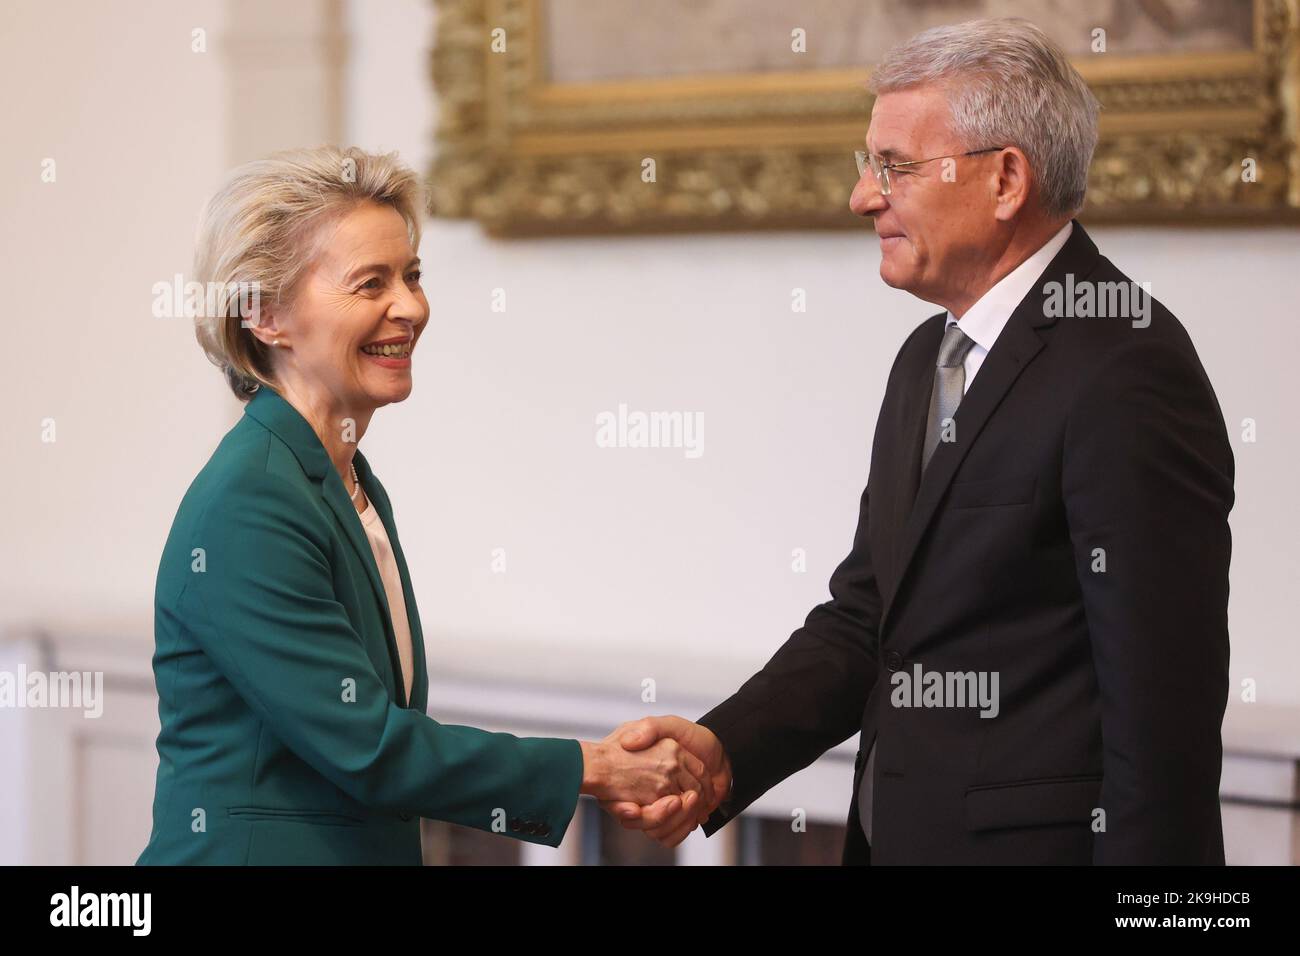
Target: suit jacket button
{"x": 894, "y": 660}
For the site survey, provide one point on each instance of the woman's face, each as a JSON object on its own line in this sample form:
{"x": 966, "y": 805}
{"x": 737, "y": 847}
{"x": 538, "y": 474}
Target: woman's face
{"x": 363, "y": 288}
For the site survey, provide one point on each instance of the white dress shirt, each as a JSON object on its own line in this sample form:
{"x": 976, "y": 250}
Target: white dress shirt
{"x": 984, "y": 320}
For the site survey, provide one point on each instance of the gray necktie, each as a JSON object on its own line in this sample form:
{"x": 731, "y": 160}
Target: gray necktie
{"x": 949, "y": 386}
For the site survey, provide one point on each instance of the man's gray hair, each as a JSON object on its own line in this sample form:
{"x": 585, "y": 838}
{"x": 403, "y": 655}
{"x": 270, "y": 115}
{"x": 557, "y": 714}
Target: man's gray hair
{"x": 1007, "y": 85}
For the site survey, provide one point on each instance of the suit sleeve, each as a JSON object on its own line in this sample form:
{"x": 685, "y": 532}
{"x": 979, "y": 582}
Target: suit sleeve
{"x": 1147, "y": 477}
{"x": 810, "y": 696}
{"x": 264, "y": 611}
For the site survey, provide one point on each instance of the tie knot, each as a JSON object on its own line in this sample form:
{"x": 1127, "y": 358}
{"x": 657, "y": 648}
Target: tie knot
{"x": 956, "y": 344}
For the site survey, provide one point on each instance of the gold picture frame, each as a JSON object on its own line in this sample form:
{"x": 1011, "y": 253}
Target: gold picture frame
{"x": 525, "y": 156}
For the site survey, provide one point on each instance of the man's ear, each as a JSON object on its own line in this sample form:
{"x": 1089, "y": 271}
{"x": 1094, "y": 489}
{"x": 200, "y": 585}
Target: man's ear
{"x": 1015, "y": 182}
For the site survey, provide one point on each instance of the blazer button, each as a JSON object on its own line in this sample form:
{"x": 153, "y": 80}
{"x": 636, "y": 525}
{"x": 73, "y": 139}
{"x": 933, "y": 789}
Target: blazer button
{"x": 894, "y": 660}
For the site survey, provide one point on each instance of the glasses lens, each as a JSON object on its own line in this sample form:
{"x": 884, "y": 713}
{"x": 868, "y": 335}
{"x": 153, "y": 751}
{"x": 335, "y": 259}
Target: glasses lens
{"x": 882, "y": 174}
{"x": 866, "y": 161}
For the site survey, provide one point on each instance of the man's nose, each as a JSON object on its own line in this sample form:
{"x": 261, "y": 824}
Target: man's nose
{"x": 866, "y": 198}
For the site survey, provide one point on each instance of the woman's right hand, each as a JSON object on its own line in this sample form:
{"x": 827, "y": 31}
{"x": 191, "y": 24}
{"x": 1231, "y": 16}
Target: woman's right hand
{"x": 665, "y": 770}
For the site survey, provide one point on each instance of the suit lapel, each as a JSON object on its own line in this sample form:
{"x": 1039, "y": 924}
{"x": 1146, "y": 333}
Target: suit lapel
{"x": 379, "y": 497}
{"x": 336, "y": 495}
{"x": 916, "y": 409}
{"x": 1016, "y": 346}
{"x": 285, "y": 421}
{"x": 899, "y": 454}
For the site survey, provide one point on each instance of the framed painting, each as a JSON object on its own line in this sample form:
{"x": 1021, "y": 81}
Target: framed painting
{"x": 572, "y": 116}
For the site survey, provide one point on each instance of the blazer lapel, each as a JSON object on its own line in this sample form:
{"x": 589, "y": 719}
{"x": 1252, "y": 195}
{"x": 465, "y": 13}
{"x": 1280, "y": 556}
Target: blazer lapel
{"x": 379, "y": 497}
{"x": 273, "y": 411}
{"x": 337, "y": 497}
{"x": 1016, "y": 346}
{"x": 896, "y": 456}
{"x": 916, "y": 405}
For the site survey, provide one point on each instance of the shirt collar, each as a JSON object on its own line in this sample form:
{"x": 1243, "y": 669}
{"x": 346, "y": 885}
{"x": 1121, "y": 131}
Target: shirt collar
{"x": 983, "y": 321}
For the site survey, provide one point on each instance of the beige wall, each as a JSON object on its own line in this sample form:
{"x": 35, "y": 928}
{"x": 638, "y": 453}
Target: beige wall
{"x": 622, "y": 564}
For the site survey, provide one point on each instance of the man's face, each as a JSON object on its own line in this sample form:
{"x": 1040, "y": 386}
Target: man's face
{"x": 938, "y": 221}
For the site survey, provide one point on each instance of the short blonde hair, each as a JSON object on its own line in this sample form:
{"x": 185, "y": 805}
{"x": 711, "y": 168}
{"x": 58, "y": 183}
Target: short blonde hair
{"x": 259, "y": 231}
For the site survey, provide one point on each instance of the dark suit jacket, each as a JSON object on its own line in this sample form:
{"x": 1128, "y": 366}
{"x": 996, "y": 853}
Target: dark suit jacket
{"x": 1081, "y": 439}
{"x": 286, "y": 734}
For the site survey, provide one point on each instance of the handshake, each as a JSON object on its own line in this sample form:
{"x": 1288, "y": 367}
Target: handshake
{"x": 663, "y": 775}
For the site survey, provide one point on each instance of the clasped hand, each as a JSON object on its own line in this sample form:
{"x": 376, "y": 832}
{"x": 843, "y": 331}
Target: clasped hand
{"x": 662, "y": 775}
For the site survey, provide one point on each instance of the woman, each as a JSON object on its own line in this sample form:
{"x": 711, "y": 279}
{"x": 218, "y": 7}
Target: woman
{"x": 289, "y": 662}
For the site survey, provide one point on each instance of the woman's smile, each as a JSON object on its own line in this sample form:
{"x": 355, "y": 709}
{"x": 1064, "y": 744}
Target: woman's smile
{"x": 390, "y": 353}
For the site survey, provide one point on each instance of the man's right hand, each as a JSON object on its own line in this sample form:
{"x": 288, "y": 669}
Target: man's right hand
{"x": 669, "y": 823}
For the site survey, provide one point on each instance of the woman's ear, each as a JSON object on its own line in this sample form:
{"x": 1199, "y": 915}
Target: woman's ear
{"x": 264, "y": 325}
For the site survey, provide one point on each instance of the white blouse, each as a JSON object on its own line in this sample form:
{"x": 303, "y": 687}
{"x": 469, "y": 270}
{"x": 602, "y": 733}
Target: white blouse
{"x": 392, "y": 579}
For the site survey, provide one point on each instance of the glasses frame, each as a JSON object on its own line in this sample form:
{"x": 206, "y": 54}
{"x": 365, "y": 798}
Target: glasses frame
{"x": 881, "y": 170}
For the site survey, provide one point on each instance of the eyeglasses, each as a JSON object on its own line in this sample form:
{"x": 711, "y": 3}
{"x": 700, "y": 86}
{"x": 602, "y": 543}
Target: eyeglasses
{"x": 881, "y": 170}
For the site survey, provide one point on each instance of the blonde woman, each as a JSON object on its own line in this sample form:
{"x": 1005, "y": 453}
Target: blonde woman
{"x": 289, "y": 658}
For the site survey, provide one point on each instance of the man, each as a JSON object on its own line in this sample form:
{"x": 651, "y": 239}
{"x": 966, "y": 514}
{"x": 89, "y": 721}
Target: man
{"x": 1030, "y": 631}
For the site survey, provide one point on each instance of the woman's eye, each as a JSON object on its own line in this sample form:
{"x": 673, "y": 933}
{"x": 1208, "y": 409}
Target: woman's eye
{"x": 374, "y": 283}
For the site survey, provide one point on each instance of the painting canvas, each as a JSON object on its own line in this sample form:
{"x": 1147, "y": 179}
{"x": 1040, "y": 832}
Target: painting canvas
{"x": 564, "y": 116}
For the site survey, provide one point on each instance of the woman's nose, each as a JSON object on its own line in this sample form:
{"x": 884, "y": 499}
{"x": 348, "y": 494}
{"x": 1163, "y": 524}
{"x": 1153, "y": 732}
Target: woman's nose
{"x": 409, "y": 306}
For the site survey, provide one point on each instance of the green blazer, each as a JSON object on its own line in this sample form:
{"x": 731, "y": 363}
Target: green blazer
{"x": 286, "y": 738}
